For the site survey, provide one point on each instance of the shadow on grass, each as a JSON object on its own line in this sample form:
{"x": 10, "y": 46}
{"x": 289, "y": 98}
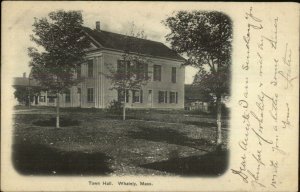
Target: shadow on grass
{"x": 204, "y": 124}
{"x": 169, "y": 136}
{"x": 211, "y": 164}
{"x": 36, "y": 159}
{"x": 64, "y": 122}
{"x": 200, "y": 124}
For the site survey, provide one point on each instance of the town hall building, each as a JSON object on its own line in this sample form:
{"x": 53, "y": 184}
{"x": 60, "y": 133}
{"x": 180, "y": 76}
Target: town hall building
{"x": 164, "y": 89}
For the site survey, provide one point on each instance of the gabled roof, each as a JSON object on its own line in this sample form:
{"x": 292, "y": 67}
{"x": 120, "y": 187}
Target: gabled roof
{"x": 117, "y": 41}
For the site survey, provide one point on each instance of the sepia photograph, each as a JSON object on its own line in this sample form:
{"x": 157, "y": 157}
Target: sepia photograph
{"x": 106, "y": 91}
{"x": 98, "y": 102}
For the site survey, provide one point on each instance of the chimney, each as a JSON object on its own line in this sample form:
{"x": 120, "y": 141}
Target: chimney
{"x": 24, "y": 75}
{"x": 98, "y": 25}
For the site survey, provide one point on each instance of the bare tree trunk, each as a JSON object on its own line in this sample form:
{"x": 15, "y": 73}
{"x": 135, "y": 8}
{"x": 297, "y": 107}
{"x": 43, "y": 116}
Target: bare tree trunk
{"x": 219, "y": 130}
{"x": 124, "y": 106}
{"x": 57, "y": 111}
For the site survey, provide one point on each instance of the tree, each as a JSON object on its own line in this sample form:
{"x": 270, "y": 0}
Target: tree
{"x": 131, "y": 72}
{"x": 62, "y": 44}
{"x": 205, "y": 37}
{"x": 26, "y": 94}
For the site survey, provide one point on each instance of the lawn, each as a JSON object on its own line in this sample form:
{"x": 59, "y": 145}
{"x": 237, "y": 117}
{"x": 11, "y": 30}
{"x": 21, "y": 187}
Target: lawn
{"x": 96, "y": 142}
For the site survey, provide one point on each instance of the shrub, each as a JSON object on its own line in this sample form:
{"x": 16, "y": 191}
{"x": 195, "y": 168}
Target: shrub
{"x": 224, "y": 110}
{"x": 115, "y": 107}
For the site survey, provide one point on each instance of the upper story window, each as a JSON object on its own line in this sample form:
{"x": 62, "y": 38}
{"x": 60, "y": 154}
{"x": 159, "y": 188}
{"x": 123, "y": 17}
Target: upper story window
{"x": 68, "y": 96}
{"x": 90, "y": 68}
{"x": 128, "y": 70}
{"x": 173, "y": 75}
{"x": 157, "y": 72}
{"x": 90, "y": 95}
{"x": 141, "y": 70}
{"x": 123, "y": 69}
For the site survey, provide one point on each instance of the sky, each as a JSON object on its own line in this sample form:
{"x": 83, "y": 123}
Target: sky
{"x": 114, "y": 16}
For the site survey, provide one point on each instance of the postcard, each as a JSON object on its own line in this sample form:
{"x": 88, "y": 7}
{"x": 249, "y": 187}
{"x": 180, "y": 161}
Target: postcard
{"x": 149, "y": 96}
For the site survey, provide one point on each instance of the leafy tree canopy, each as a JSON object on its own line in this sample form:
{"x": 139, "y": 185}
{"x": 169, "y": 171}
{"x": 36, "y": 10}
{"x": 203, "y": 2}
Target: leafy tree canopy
{"x": 62, "y": 43}
{"x": 22, "y": 93}
{"x": 205, "y": 37}
{"x": 132, "y": 70}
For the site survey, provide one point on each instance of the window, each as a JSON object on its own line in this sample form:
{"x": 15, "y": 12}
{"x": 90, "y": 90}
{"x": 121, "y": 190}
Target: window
{"x": 146, "y": 71}
{"x": 173, "y": 74}
{"x": 123, "y": 69}
{"x": 90, "y": 95}
{"x": 166, "y": 96}
{"x": 162, "y": 97}
{"x": 90, "y": 68}
{"x": 121, "y": 96}
{"x": 67, "y": 97}
{"x": 172, "y": 97}
{"x": 137, "y": 96}
{"x": 141, "y": 71}
{"x": 79, "y": 90}
{"x": 157, "y": 73}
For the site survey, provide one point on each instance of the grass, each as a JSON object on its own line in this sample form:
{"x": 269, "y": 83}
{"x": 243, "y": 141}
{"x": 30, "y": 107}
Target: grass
{"x": 64, "y": 122}
{"x": 95, "y": 142}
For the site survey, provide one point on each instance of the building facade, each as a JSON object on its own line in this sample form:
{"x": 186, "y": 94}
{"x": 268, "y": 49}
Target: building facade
{"x": 165, "y": 88}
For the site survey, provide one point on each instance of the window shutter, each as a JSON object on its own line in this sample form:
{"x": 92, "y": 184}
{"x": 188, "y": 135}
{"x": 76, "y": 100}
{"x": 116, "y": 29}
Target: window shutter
{"x": 159, "y": 96}
{"x": 79, "y": 71}
{"x": 120, "y": 95}
{"x": 173, "y": 75}
{"x": 159, "y": 73}
{"x": 141, "y": 96}
{"x": 133, "y": 96}
{"x": 127, "y": 95}
{"x": 146, "y": 71}
{"x": 166, "y": 96}
{"x": 128, "y": 69}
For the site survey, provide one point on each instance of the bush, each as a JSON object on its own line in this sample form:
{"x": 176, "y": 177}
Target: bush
{"x": 224, "y": 110}
{"x": 115, "y": 107}
{"x": 197, "y": 112}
